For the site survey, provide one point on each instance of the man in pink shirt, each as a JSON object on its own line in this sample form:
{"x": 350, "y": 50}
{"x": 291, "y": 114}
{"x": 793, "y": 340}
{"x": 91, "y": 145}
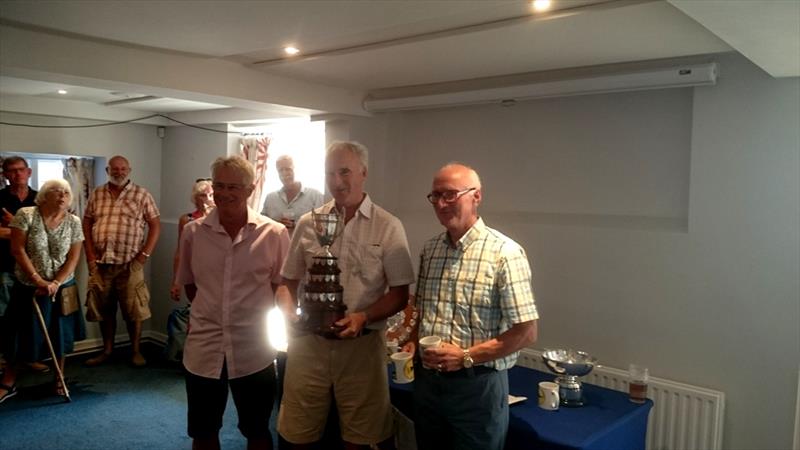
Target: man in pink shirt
{"x": 230, "y": 264}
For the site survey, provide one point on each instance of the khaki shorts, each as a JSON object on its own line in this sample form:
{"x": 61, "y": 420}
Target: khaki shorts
{"x": 123, "y": 283}
{"x": 354, "y": 370}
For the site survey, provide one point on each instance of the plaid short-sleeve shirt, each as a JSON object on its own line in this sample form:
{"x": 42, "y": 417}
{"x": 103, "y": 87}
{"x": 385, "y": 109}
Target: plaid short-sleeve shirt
{"x": 119, "y": 223}
{"x": 475, "y": 290}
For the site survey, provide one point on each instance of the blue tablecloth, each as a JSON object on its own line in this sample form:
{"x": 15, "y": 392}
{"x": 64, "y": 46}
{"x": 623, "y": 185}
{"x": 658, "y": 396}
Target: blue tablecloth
{"x": 607, "y": 421}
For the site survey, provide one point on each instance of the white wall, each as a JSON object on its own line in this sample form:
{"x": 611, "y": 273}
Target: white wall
{"x": 663, "y": 227}
{"x": 187, "y": 155}
{"x": 138, "y": 143}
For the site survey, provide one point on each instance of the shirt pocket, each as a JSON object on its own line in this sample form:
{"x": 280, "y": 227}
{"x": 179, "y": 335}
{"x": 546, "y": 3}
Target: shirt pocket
{"x": 371, "y": 264}
{"x": 129, "y": 209}
{"x": 475, "y": 300}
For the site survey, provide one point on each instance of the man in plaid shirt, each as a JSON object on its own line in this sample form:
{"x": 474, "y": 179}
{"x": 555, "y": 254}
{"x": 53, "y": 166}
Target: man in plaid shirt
{"x": 117, "y": 247}
{"x": 473, "y": 291}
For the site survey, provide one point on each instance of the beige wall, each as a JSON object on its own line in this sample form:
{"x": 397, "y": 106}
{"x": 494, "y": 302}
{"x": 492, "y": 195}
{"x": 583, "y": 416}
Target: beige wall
{"x": 663, "y": 226}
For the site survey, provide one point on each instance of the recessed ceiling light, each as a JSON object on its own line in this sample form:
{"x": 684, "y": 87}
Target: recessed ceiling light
{"x": 291, "y": 50}
{"x": 62, "y": 92}
{"x": 541, "y": 5}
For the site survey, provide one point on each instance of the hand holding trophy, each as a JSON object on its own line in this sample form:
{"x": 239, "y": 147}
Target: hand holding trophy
{"x": 323, "y": 303}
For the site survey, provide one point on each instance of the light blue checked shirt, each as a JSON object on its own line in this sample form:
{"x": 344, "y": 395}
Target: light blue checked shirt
{"x": 476, "y": 290}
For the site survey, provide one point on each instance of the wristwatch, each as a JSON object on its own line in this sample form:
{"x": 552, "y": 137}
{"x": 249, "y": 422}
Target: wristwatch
{"x": 467, "y": 361}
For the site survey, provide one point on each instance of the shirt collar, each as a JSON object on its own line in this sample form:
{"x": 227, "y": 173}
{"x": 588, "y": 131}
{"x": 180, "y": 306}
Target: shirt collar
{"x": 302, "y": 189}
{"x": 365, "y": 209}
{"x": 212, "y": 219}
{"x": 469, "y": 237}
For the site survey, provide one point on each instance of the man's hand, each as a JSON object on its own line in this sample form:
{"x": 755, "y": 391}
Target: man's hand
{"x": 445, "y": 358}
{"x": 353, "y": 324}
{"x": 289, "y": 223}
{"x": 175, "y": 292}
{"x": 6, "y": 217}
{"x": 140, "y": 258}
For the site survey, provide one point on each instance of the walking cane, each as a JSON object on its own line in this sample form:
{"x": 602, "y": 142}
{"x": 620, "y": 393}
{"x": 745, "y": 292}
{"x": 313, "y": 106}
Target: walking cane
{"x": 50, "y": 347}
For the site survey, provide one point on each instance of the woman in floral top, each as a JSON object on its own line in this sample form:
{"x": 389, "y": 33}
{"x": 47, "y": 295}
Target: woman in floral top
{"x": 46, "y": 242}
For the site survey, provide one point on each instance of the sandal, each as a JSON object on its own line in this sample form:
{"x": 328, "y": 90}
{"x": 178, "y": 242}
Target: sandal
{"x": 38, "y": 367}
{"x": 59, "y": 390}
{"x": 10, "y": 391}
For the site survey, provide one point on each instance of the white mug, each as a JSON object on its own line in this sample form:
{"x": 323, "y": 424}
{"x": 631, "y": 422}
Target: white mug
{"x": 548, "y": 395}
{"x": 403, "y": 367}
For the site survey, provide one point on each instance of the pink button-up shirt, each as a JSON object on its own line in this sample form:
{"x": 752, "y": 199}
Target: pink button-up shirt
{"x": 234, "y": 280}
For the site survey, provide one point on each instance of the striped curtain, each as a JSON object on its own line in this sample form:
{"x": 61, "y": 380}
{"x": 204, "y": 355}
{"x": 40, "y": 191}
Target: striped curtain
{"x": 254, "y": 149}
{"x": 79, "y": 173}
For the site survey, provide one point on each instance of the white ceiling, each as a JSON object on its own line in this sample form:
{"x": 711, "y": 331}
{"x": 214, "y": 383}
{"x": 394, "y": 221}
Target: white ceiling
{"x": 223, "y": 60}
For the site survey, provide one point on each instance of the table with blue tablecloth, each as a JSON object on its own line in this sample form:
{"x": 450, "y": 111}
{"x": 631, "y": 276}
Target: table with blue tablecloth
{"x": 608, "y": 420}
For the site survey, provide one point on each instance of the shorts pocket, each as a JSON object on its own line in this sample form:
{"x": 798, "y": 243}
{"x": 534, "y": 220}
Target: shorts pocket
{"x": 94, "y": 301}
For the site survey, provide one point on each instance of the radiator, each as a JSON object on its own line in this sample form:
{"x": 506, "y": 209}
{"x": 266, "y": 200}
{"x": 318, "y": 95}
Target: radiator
{"x": 684, "y": 417}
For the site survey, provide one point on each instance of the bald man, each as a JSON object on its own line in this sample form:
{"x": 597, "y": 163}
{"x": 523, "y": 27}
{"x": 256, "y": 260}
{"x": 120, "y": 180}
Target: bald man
{"x": 121, "y": 227}
{"x": 474, "y": 291}
{"x": 287, "y": 204}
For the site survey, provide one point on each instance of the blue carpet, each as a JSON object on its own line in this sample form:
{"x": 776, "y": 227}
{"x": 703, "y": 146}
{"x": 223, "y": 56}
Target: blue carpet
{"x": 114, "y": 406}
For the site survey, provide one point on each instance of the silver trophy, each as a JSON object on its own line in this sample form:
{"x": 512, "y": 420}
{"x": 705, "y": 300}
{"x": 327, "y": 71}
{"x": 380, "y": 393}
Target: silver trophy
{"x": 569, "y": 365}
{"x": 323, "y": 302}
{"x": 328, "y": 227}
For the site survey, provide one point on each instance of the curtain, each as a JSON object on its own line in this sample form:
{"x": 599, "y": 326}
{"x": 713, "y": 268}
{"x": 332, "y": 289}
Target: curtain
{"x": 3, "y": 182}
{"x": 254, "y": 149}
{"x": 79, "y": 173}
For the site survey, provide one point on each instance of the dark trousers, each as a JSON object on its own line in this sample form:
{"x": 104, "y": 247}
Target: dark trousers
{"x": 460, "y": 411}
{"x": 253, "y": 396}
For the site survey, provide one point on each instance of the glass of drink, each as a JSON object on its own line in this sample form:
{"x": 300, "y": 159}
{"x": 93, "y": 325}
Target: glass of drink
{"x": 637, "y": 383}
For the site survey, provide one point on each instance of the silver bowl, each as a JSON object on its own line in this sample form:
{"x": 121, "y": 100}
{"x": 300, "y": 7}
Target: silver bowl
{"x": 569, "y": 362}
{"x": 569, "y": 365}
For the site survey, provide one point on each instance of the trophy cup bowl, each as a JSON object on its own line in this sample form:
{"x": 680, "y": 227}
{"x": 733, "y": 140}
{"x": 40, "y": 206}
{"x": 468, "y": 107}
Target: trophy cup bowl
{"x": 323, "y": 304}
{"x": 327, "y": 227}
{"x": 569, "y": 365}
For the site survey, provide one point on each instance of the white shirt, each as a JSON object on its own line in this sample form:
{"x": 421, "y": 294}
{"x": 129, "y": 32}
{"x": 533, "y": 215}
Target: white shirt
{"x": 228, "y": 322}
{"x": 372, "y": 250}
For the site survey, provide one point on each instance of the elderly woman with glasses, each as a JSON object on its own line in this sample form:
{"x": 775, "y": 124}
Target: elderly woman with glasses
{"x": 203, "y": 200}
{"x": 46, "y": 242}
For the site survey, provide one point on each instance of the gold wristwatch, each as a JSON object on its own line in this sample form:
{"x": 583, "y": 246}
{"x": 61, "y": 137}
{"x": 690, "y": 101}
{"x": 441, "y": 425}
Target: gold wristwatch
{"x": 467, "y": 361}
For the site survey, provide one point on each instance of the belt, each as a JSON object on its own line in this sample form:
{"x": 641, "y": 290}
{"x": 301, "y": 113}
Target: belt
{"x": 472, "y": 372}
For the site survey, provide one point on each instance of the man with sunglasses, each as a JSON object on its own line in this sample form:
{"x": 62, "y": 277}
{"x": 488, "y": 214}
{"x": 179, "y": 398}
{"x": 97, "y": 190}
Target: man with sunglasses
{"x": 473, "y": 291}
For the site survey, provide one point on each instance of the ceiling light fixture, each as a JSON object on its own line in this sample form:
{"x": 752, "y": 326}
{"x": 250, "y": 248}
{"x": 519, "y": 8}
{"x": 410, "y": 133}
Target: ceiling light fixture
{"x": 541, "y": 5}
{"x": 291, "y": 51}
{"x": 62, "y": 92}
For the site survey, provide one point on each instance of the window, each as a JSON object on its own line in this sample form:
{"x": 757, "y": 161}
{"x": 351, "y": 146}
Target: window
{"x": 44, "y": 170}
{"x": 301, "y": 139}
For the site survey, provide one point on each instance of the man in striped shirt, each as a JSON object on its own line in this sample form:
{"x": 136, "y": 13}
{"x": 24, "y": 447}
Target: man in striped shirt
{"x": 117, "y": 246}
{"x": 473, "y": 291}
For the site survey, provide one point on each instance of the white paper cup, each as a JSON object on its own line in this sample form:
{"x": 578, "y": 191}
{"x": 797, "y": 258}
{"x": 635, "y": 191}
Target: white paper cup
{"x": 428, "y": 342}
{"x": 548, "y": 395}
{"x": 403, "y": 367}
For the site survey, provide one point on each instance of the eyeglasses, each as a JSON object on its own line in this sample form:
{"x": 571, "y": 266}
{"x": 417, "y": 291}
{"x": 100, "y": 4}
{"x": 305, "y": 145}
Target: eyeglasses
{"x": 202, "y": 179}
{"x": 447, "y": 196}
{"x": 227, "y": 186}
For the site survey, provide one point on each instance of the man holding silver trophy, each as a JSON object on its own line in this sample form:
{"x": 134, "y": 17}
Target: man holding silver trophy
{"x": 340, "y": 354}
